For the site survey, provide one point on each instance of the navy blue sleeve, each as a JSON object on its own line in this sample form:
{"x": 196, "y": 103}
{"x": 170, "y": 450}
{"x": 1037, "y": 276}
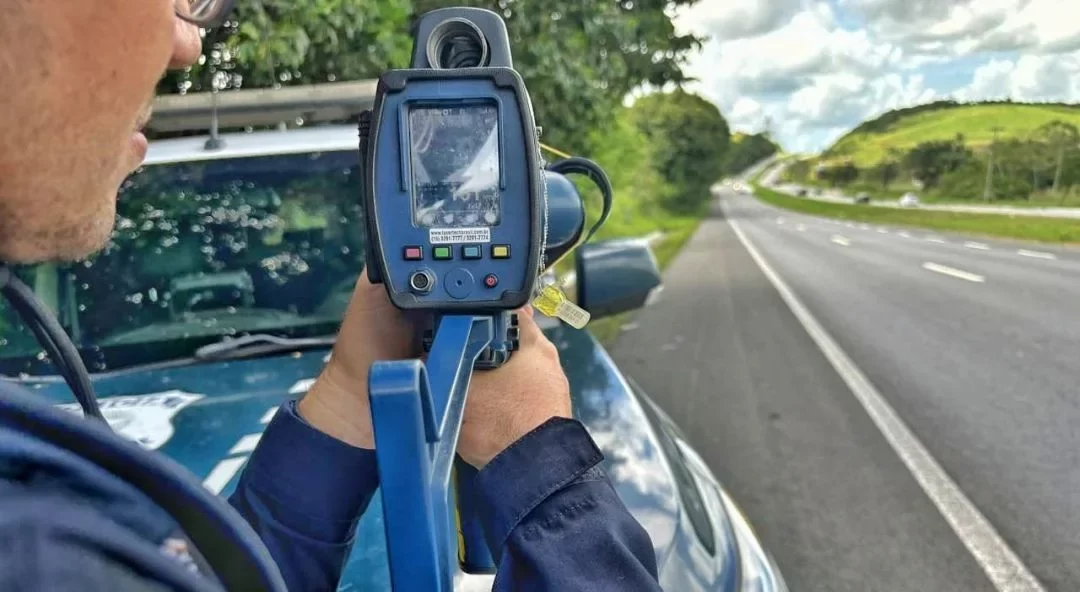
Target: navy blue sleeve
{"x": 554, "y": 521}
{"x": 303, "y": 492}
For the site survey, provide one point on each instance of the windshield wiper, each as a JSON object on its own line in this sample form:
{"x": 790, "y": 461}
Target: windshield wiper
{"x": 259, "y": 344}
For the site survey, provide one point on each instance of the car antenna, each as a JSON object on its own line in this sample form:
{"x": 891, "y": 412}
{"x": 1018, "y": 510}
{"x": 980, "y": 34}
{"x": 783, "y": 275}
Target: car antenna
{"x": 214, "y": 142}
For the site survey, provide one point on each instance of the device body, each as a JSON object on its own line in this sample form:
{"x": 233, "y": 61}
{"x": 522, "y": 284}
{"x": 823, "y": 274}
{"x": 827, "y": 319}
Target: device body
{"x": 454, "y": 190}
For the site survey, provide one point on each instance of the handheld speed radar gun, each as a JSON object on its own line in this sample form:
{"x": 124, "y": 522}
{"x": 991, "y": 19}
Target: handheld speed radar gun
{"x": 463, "y": 217}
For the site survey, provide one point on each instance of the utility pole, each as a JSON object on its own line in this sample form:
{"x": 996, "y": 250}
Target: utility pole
{"x": 988, "y": 186}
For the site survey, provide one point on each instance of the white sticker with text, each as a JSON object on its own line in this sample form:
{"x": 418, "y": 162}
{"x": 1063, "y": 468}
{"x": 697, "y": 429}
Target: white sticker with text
{"x": 146, "y": 419}
{"x": 442, "y": 236}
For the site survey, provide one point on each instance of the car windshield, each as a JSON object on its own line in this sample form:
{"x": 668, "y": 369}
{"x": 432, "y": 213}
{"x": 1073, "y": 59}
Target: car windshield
{"x": 203, "y": 250}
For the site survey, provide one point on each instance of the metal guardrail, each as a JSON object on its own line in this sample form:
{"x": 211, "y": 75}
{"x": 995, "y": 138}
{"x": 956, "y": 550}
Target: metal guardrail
{"x": 318, "y": 103}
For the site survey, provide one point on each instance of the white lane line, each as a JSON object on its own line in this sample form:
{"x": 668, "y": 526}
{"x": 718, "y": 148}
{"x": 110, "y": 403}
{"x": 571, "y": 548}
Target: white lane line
{"x": 223, "y": 473}
{"x": 840, "y": 240}
{"x": 934, "y": 239}
{"x": 1001, "y": 564}
{"x": 952, "y": 271}
{"x": 864, "y": 226}
{"x": 883, "y": 230}
{"x": 977, "y": 246}
{"x": 849, "y": 225}
{"x": 268, "y": 415}
{"x": 904, "y": 234}
{"x": 1036, "y": 254}
{"x": 801, "y": 227}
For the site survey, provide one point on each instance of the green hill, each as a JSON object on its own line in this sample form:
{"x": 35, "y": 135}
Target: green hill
{"x": 902, "y": 129}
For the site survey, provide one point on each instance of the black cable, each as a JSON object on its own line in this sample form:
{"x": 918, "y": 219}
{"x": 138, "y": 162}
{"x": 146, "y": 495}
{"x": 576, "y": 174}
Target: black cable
{"x": 584, "y": 166}
{"x": 52, "y": 338}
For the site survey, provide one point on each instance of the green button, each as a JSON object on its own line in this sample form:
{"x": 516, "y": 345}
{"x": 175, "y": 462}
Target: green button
{"x": 442, "y": 252}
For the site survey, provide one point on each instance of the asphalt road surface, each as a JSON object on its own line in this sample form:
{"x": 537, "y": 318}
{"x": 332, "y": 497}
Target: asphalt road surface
{"x": 974, "y": 344}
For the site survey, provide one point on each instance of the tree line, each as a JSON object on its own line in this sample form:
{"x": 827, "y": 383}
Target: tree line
{"x": 579, "y": 59}
{"x": 1044, "y": 164}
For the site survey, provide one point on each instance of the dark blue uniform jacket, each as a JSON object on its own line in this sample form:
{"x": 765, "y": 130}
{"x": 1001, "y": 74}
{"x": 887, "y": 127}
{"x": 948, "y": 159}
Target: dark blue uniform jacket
{"x": 551, "y": 514}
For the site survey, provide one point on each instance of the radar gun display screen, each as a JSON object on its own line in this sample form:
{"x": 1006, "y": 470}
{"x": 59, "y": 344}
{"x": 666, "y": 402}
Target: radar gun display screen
{"x": 455, "y": 166}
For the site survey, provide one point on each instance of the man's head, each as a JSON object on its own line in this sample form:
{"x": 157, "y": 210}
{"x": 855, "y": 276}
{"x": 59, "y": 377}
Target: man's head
{"x": 78, "y": 79}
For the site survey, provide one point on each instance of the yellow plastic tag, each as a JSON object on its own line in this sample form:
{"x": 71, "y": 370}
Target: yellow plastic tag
{"x": 551, "y": 301}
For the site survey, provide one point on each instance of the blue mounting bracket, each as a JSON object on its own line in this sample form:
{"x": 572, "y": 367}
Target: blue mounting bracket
{"x": 416, "y": 412}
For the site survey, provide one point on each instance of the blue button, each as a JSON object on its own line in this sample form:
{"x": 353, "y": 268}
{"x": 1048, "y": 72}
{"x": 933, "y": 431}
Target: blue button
{"x": 470, "y": 252}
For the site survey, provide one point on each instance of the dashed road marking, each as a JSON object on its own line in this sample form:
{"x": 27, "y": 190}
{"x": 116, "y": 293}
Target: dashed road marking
{"x": 840, "y": 240}
{"x": 1036, "y": 254}
{"x": 976, "y": 246}
{"x": 883, "y": 230}
{"x": 1000, "y": 563}
{"x": 952, "y": 271}
{"x": 934, "y": 239}
{"x": 904, "y": 234}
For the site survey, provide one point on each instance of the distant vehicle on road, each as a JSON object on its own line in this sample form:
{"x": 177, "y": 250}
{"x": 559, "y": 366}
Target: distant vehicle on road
{"x": 862, "y": 198}
{"x": 909, "y": 200}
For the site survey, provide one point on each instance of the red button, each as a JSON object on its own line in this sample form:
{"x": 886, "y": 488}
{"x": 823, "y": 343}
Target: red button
{"x": 491, "y": 280}
{"x": 414, "y": 253}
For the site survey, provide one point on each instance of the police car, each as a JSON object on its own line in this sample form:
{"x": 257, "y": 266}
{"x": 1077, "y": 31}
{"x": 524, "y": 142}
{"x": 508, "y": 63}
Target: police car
{"x": 219, "y": 295}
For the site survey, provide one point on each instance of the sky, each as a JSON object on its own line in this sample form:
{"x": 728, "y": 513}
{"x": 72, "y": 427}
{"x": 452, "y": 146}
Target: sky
{"x": 813, "y": 69}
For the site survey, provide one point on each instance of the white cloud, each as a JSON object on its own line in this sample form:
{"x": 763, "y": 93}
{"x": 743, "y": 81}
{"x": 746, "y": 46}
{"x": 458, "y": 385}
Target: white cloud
{"x": 964, "y": 27}
{"x": 1029, "y": 78}
{"x": 815, "y": 71}
{"x": 736, "y": 19}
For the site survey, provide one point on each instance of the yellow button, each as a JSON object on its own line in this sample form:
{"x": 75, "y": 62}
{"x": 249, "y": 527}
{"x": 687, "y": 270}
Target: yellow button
{"x": 500, "y": 251}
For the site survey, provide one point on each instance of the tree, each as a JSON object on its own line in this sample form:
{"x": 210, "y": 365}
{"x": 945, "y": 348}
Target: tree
{"x": 579, "y": 58}
{"x": 691, "y": 138}
{"x": 928, "y": 161}
{"x": 273, "y": 43}
{"x": 1062, "y": 137}
{"x": 747, "y": 151}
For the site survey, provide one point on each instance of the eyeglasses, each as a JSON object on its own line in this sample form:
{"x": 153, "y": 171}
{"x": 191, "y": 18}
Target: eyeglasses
{"x": 204, "y": 13}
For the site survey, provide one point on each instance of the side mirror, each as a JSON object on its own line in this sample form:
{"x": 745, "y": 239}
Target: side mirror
{"x": 616, "y": 276}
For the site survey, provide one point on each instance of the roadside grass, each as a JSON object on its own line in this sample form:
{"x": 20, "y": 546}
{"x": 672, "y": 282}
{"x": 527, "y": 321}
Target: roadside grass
{"x": 975, "y": 122}
{"x": 1048, "y": 230}
{"x": 679, "y": 230}
{"x": 895, "y": 190}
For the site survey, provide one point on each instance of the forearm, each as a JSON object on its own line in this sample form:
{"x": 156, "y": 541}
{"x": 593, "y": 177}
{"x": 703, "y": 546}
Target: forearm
{"x": 557, "y": 523}
{"x": 303, "y": 492}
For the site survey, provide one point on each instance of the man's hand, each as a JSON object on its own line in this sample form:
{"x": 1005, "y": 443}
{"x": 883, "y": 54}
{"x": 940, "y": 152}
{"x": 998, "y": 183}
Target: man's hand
{"x": 373, "y": 330}
{"x": 504, "y": 404}
{"x": 509, "y": 402}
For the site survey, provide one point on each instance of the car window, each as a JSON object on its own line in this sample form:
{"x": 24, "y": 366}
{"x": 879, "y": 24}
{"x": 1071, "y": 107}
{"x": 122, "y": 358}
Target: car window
{"x": 202, "y": 250}
{"x": 689, "y": 491}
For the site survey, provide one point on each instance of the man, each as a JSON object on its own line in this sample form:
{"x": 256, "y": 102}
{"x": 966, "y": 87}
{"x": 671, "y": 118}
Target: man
{"x": 78, "y": 81}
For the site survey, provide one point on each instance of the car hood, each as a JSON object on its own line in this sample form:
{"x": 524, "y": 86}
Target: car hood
{"x": 209, "y": 416}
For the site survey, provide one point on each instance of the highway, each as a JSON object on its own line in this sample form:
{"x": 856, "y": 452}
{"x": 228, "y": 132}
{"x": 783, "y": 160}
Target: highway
{"x": 771, "y": 180}
{"x": 972, "y": 345}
